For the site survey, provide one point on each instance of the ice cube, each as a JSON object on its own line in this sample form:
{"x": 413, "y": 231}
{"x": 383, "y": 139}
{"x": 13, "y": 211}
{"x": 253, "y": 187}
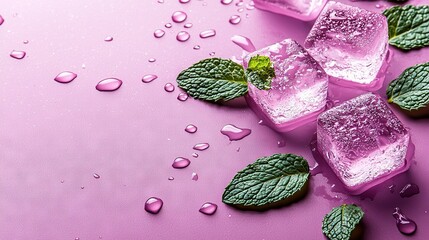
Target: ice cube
{"x": 351, "y": 45}
{"x": 363, "y": 142}
{"x": 298, "y": 92}
{"x": 305, "y": 10}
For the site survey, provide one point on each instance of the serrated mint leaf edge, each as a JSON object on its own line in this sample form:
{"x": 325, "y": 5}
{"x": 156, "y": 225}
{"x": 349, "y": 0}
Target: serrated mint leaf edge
{"x": 346, "y": 232}
{"x": 261, "y": 74}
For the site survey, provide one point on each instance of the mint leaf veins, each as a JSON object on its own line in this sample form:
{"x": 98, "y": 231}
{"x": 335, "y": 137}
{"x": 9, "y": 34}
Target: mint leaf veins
{"x": 341, "y": 221}
{"x": 260, "y": 72}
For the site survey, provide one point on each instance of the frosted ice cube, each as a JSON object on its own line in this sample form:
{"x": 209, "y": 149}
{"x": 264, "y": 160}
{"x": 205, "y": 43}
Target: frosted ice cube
{"x": 351, "y": 45}
{"x": 298, "y": 92}
{"x": 363, "y": 142}
{"x": 305, "y": 10}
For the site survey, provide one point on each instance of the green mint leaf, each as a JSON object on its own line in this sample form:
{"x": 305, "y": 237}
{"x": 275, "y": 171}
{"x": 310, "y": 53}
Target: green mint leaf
{"x": 214, "y": 79}
{"x": 410, "y": 91}
{"x": 267, "y": 181}
{"x": 341, "y": 221}
{"x": 408, "y": 26}
{"x": 260, "y": 72}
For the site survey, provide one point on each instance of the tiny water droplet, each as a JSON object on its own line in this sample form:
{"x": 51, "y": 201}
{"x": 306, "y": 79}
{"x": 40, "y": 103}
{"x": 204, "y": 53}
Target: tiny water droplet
{"x": 159, "y": 33}
{"x": 76, "y": 238}
{"x": 168, "y": 87}
{"x": 151, "y": 60}
{"x": 235, "y": 19}
{"x": 235, "y": 133}
{"x": 240, "y": 10}
{"x": 188, "y": 25}
{"x": 195, "y": 155}
{"x": 62, "y": 181}
{"x": 153, "y": 205}
{"x": 108, "y": 85}
{"x": 249, "y": 6}
{"x": 170, "y": 178}
{"x": 184, "y": 1}
{"x": 179, "y": 16}
{"x": 405, "y": 225}
{"x": 182, "y": 97}
{"x": 240, "y": 3}
{"x": 208, "y": 208}
{"x": 108, "y": 39}
{"x": 65, "y": 77}
{"x": 183, "y": 36}
{"x": 1, "y": 20}
{"x": 226, "y": 2}
{"x": 281, "y": 143}
{"x": 25, "y": 41}
{"x": 409, "y": 190}
{"x": 197, "y": 47}
{"x": 238, "y": 149}
{"x": 191, "y": 128}
{"x": 82, "y": 187}
{"x": 392, "y": 188}
{"x": 212, "y": 53}
{"x": 208, "y": 33}
{"x": 181, "y": 162}
{"x": 18, "y": 54}
{"x": 160, "y": 1}
{"x": 194, "y": 176}
{"x": 201, "y": 146}
{"x": 96, "y": 176}
{"x": 243, "y": 42}
{"x": 149, "y": 78}
{"x": 168, "y": 25}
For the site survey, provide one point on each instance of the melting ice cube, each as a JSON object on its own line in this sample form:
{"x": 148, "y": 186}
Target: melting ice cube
{"x": 298, "y": 92}
{"x": 351, "y": 44}
{"x": 305, "y": 10}
{"x": 363, "y": 142}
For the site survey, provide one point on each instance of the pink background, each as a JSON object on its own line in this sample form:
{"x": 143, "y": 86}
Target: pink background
{"x": 51, "y": 132}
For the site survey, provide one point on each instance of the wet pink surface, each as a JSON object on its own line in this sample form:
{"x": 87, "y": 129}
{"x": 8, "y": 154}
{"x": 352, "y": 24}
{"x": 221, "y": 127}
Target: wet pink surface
{"x": 55, "y": 136}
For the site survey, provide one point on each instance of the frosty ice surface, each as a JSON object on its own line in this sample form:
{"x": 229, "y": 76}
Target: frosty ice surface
{"x": 363, "y": 142}
{"x": 305, "y": 10}
{"x": 351, "y": 45}
{"x": 298, "y": 92}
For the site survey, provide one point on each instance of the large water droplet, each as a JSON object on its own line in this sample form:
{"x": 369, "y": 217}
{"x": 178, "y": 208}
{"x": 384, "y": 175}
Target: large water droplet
{"x": 409, "y": 190}
{"x": 405, "y": 225}
{"x": 65, "y": 77}
{"x": 153, "y": 205}
{"x": 182, "y": 97}
{"x": 191, "y": 128}
{"x": 183, "y": 36}
{"x": 108, "y": 85}
{"x": 235, "y": 133}
{"x": 194, "y": 176}
{"x": 208, "y": 33}
{"x": 159, "y": 33}
{"x": 168, "y": 87}
{"x": 1, "y": 20}
{"x": 179, "y": 16}
{"x": 235, "y": 19}
{"x": 243, "y": 42}
{"x": 201, "y": 146}
{"x": 226, "y": 2}
{"x": 149, "y": 78}
{"x": 181, "y": 162}
{"x": 18, "y": 54}
{"x": 208, "y": 208}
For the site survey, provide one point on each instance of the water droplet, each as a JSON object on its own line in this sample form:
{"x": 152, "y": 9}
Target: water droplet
{"x": 194, "y": 176}
{"x": 226, "y": 2}
{"x": 151, "y": 60}
{"x": 392, "y": 188}
{"x": 405, "y": 225}
{"x": 208, "y": 33}
{"x": 65, "y": 77}
{"x": 168, "y": 25}
{"x": 108, "y": 85}
{"x": 170, "y": 178}
{"x": 197, "y": 47}
{"x": 76, "y": 238}
{"x": 195, "y": 155}
{"x": 183, "y": 36}
{"x": 240, "y": 10}
{"x": 96, "y": 176}
{"x": 188, "y": 25}
{"x": 191, "y": 128}
{"x": 208, "y": 208}
{"x": 82, "y": 187}
{"x": 249, "y": 6}
{"x": 184, "y": 1}
{"x": 240, "y": 3}
{"x": 25, "y": 41}
{"x": 212, "y": 54}
{"x": 182, "y": 97}
{"x": 281, "y": 143}
{"x": 159, "y": 33}
{"x": 62, "y": 181}
{"x": 160, "y": 1}
{"x": 235, "y": 133}
{"x": 149, "y": 78}
{"x": 238, "y": 149}
{"x": 181, "y": 162}
{"x": 201, "y": 146}
{"x": 243, "y": 42}
{"x": 409, "y": 190}
{"x": 168, "y": 87}
{"x": 153, "y": 205}
{"x": 179, "y": 16}
{"x": 108, "y": 39}
{"x": 1, "y": 20}
{"x": 18, "y": 54}
{"x": 235, "y": 19}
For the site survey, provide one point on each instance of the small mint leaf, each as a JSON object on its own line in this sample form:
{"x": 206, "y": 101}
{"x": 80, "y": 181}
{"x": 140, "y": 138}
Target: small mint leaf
{"x": 268, "y": 180}
{"x": 410, "y": 91}
{"x": 341, "y": 221}
{"x": 408, "y": 26}
{"x": 260, "y": 72}
{"x": 214, "y": 79}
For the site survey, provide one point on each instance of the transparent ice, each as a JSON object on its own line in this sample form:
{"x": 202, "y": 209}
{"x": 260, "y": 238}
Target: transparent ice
{"x": 306, "y": 10}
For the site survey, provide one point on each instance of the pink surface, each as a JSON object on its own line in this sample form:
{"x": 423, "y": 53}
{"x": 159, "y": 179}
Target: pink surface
{"x": 53, "y": 132}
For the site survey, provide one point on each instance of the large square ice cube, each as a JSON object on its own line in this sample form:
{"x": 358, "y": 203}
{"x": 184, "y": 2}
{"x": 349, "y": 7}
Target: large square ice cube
{"x": 351, "y": 45}
{"x": 298, "y": 92}
{"x": 363, "y": 142}
{"x": 305, "y": 10}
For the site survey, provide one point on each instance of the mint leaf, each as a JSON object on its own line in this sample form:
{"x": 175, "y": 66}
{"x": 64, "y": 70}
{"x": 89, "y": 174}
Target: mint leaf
{"x": 269, "y": 180}
{"x": 408, "y": 26}
{"x": 260, "y": 72}
{"x": 410, "y": 91}
{"x": 341, "y": 221}
{"x": 214, "y": 79}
